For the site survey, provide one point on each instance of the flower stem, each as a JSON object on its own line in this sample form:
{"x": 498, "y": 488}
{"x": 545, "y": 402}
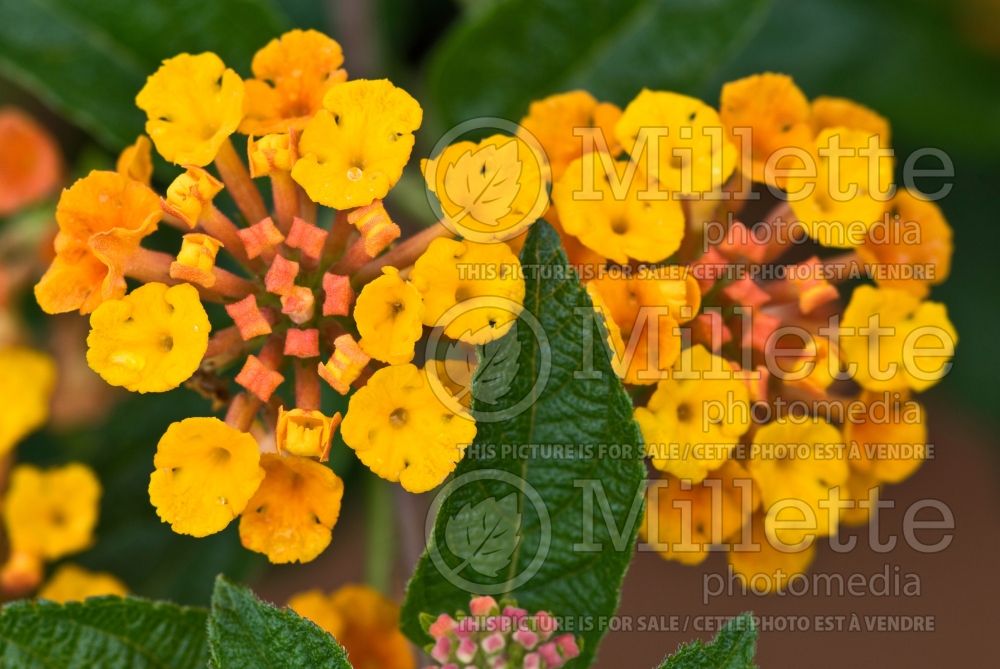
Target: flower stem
{"x": 239, "y": 184}
{"x": 218, "y": 225}
{"x": 403, "y": 254}
{"x": 286, "y": 200}
{"x": 380, "y": 545}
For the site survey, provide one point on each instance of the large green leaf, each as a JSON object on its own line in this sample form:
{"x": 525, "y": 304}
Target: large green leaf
{"x": 102, "y": 632}
{"x": 732, "y": 648}
{"x": 88, "y": 60}
{"x": 515, "y": 51}
{"x": 246, "y": 632}
{"x": 563, "y": 429}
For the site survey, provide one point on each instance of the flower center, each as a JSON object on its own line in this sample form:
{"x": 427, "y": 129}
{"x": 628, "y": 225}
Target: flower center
{"x": 398, "y": 417}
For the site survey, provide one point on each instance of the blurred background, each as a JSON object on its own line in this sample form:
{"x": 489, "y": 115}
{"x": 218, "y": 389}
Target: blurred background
{"x": 932, "y": 67}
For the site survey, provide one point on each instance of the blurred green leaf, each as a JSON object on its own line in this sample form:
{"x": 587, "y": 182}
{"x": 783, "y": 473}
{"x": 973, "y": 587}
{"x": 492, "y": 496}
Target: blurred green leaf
{"x": 508, "y": 53}
{"x": 88, "y": 60}
{"x": 102, "y": 632}
{"x": 243, "y": 631}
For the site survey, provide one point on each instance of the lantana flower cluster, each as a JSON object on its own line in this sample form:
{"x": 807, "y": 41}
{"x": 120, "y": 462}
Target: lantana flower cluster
{"x": 493, "y": 635}
{"x": 762, "y": 285}
{"x": 316, "y": 284}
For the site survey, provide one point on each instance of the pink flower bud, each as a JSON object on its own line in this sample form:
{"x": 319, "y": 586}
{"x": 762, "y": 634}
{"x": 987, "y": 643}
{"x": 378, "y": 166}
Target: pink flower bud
{"x": 493, "y": 644}
{"x": 442, "y": 650}
{"x": 526, "y": 638}
{"x": 482, "y": 606}
{"x": 466, "y": 650}
{"x": 442, "y": 626}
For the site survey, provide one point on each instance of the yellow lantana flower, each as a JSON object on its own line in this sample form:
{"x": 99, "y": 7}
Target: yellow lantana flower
{"x": 136, "y": 161}
{"x": 682, "y": 524}
{"x": 403, "y": 432}
{"x": 193, "y": 103}
{"x": 102, "y": 218}
{"x": 291, "y": 516}
{"x": 798, "y": 459}
{"x": 893, "y": 341}
{"x": 363, "y": 620}
{"x": 190, "y": 194}
{"x": 831, "y": 112}
{"x": 151, "y": 340}
{"x": 694, "y": 419}
{"x": 205, "y": 474}
{"x": 616, "y": 221}
{"x": 51, "y": 513}
{"x": 888, "y": 442}
{"x": 677, "y": 140}
{"x": 354, "y": 149}
{"x": 843, "y": 197}
{"x": 917, "y": 238}
{"x": 490, "y": 191}
{"x": 389, "y": 315}
{"x": 557, "y": 122}
{"x": 71, "y": 583}
{"x": 770, "y": 566}
{"x": 27, "y": 379}
{"x": 485, "y": 278}
{"x": 291, "y": 73}
{"x": 766, "y": 113}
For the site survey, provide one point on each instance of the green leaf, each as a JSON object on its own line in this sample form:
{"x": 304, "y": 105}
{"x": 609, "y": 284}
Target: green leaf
{"x": 246, "y": 632}
{"x": 569, "y": 560}
{"x": 496, "y": 370}
{"x": 88, "y": 60}
{"x": 613, "y": 48}
{"x": 102, "y": 632}
{"x": 732, "y": 648}
{"x": 485, "y": 535}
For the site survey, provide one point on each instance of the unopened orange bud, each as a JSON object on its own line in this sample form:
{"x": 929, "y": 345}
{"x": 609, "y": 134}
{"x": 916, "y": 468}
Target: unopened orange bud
{"x": 813, "y": 289}
{"x": 345, "y": 365}
{"x": 338, "y": 294}
{"x": 259, "y": 379}
{"x": 709, "y": 329}
{"x": 21, "y": 574}
{"x": 747, "y": 293}
{"x": 249, "y": 319}
{"x": 302, "y": 343}
{"x": 196, "y": 260}
{"x": 299, "y": 304}
{"x": 308, "y": 238}
{"x": 260, "y": 237}
{"x": 376, "y": 228}
{"x": 280, "y": 278}
{"x": 761, "y": 328}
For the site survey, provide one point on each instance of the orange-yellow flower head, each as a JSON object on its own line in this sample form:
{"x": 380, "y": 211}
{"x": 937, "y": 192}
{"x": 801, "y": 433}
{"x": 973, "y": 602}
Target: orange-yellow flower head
{"x": 893, "y": 341}
{"x": 473, "y": 290}
{"x": 677, "y": 140}
{"x": 193, "y": 103}
{"x": 694, "y": 419}
{"x": 71, "y": 583}
{"x": 102, "y": 218}
{"x": 403, "y": 432}
{"x": 363, "y": 621}
{"x": 291, "y": 516}
{"x": 490, "y": 191}
{"x": 27, "y": 379}
{"x": 887, "y": 441}
{"x": 30, "y": 162}
{"x": 767, "y": 564}
{"x": 51, "y": 513}
{"x": 389, "y": 316}
{"x": 151, "y": 340}
{"x": 601, "y": 204}
{"x": 766, "y": 115}
{"x": 205, "y": 474}
{"x": 291, "y": 73}
{"x": 830, "y": 112}
{"x": 567, "y": 125}
{"x": 354, "y": 149}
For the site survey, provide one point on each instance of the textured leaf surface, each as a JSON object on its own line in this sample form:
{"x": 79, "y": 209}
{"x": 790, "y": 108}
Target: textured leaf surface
{"x": 88, "y": 60}
{"x": 496, "y": 370}
{"x": 105, "y": 632}
{"x": 732, "y": 648}
{"x": 246, "y": 632}
{"x": 485, "y": 535}
{"x": 613, "y": 48}
{"x": 568, "y": 422}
